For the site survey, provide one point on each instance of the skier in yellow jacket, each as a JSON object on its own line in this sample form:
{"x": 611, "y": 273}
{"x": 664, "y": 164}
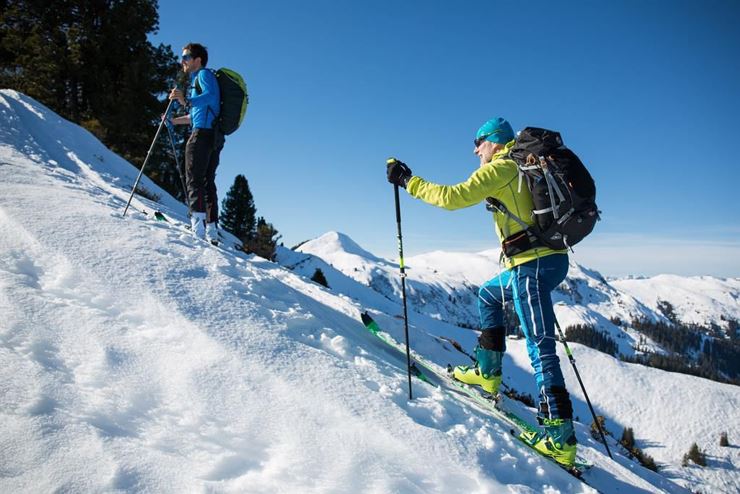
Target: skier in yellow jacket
{"x": 530, "y": 276}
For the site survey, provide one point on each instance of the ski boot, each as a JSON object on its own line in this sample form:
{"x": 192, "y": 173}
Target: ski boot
{"x": 558, "y": 441}
{"x": 198, "y": 225}
{"x": 487, "y": 372}
{"x": 212, "y": 233}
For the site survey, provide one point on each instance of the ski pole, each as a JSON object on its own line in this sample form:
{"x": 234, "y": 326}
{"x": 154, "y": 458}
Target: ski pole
{"x": 148, "y": 154}
{"x": 583, "y": 388}
{"x": 457, "y": 346}
{"x": 403, "y": 287}
{"x": 177, "y": 166}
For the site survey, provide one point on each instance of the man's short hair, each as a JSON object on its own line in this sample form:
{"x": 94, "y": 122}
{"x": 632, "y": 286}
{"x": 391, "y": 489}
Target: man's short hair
{"x": 198, "y": 51}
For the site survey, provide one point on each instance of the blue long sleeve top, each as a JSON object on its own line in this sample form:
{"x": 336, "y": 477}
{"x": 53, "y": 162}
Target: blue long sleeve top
{"x": 204, "y": 107}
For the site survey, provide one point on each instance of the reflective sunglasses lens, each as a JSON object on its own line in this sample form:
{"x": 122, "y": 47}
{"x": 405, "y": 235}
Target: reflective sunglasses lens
{"x": 482, "y": 138}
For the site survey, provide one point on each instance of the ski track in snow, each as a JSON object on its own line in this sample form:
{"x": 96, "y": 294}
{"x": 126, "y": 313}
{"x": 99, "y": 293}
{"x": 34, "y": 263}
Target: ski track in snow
{"x": 136, "y": 359}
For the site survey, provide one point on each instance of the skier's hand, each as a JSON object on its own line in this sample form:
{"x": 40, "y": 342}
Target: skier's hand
{"x": 178, "y": 95}
{"x": 398, "y": 173}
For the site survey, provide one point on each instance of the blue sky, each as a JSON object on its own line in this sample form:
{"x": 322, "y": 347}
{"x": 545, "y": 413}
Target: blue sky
{"x": 646, "y": 92}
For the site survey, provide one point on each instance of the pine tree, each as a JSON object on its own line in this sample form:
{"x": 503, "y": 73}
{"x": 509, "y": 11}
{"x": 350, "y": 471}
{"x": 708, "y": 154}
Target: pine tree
{"x": 238, "y": 211}
{"x": 723, "y": 441}
{"x": 695, "y": 455}
{"x": 318, "y": 277}
{"x": 264, "y": 241}
{"x": 645, "y": 460}
{"x": 628, "y": 438}
{"x": 589, "y": 336}
{"x": 666, "y": 308}
{"x": 91, "y": 62}
{"x": 595, "y": 432}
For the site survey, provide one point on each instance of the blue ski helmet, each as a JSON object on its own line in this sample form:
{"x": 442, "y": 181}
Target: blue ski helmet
{"x": 496, "y": 130}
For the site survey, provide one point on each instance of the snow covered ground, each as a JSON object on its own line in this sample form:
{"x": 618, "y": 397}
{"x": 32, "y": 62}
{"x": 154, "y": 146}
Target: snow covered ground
{"x": 136, "y": 359}
{"x": 655, "y": 404}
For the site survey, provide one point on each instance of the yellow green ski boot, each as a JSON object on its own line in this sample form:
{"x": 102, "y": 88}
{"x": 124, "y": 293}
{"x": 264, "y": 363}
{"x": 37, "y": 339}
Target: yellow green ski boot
{"x": 487, "y": 372}
{"x": 558, "y": 441}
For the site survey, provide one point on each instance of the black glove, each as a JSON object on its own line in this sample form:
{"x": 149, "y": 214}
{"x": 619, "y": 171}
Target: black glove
{"x": 398, "y": 173}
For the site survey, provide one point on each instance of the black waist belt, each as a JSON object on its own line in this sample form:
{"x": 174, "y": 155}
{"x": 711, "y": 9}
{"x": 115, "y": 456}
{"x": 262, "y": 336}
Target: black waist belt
{"x": 520, "y": 242}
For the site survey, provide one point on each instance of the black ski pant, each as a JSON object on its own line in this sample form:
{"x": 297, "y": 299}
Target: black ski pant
{"x": 202, "y": 153}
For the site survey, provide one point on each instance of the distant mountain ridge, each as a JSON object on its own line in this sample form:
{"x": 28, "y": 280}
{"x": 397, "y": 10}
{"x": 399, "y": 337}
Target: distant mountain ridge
{"x": 701, "y": 300}
{"x": 444, "y": 285}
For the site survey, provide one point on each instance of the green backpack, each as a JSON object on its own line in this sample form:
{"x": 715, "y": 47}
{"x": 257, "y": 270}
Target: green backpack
{"x": 234, "y": 99}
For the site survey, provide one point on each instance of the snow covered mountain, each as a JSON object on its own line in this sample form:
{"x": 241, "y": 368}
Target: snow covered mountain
{"x": 136, "y": 359}
{"x": 444, "y": 294}
{"x": 701, "y": 300}
{"x": 444, "y": 285}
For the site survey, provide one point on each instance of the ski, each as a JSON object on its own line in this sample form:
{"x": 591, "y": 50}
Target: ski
{"x": 425, "y": 371}
{"x": 159, "y": 216}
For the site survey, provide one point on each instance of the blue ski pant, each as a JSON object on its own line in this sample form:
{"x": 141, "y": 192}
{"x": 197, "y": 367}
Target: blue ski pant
{"x": 529, "y": 286}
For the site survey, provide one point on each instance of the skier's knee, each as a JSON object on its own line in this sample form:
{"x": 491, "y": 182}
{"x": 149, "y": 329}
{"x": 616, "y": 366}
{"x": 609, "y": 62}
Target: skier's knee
{"x": 493, "y": 339}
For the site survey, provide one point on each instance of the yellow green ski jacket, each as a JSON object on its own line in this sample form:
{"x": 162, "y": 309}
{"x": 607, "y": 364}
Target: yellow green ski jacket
{"x": 497, "y": 178}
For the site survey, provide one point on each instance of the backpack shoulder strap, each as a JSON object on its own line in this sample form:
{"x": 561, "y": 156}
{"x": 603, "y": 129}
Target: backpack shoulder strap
{"x": 196, "y": 84}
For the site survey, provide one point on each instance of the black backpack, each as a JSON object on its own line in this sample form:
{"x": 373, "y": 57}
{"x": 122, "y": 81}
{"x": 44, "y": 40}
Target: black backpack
{"x": 563, "y": 193}
{"x": 234, "y": 99}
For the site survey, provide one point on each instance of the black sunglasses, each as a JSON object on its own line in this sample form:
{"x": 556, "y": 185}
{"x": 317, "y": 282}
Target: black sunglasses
{"x": 480, "y": 140}
{"x": 186, "y": 57}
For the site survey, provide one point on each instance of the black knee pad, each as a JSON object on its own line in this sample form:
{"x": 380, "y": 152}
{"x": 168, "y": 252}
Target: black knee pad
{"x": 493, "y": 339}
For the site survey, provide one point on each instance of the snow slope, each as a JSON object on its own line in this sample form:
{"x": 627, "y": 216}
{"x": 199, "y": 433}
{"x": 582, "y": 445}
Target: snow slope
{"x": 136, "y": 359}
{"x": 627, "y": 395}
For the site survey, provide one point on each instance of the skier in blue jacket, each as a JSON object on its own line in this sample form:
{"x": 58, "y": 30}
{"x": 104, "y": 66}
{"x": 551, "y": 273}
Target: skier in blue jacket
{"x": 204, "y": 145}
